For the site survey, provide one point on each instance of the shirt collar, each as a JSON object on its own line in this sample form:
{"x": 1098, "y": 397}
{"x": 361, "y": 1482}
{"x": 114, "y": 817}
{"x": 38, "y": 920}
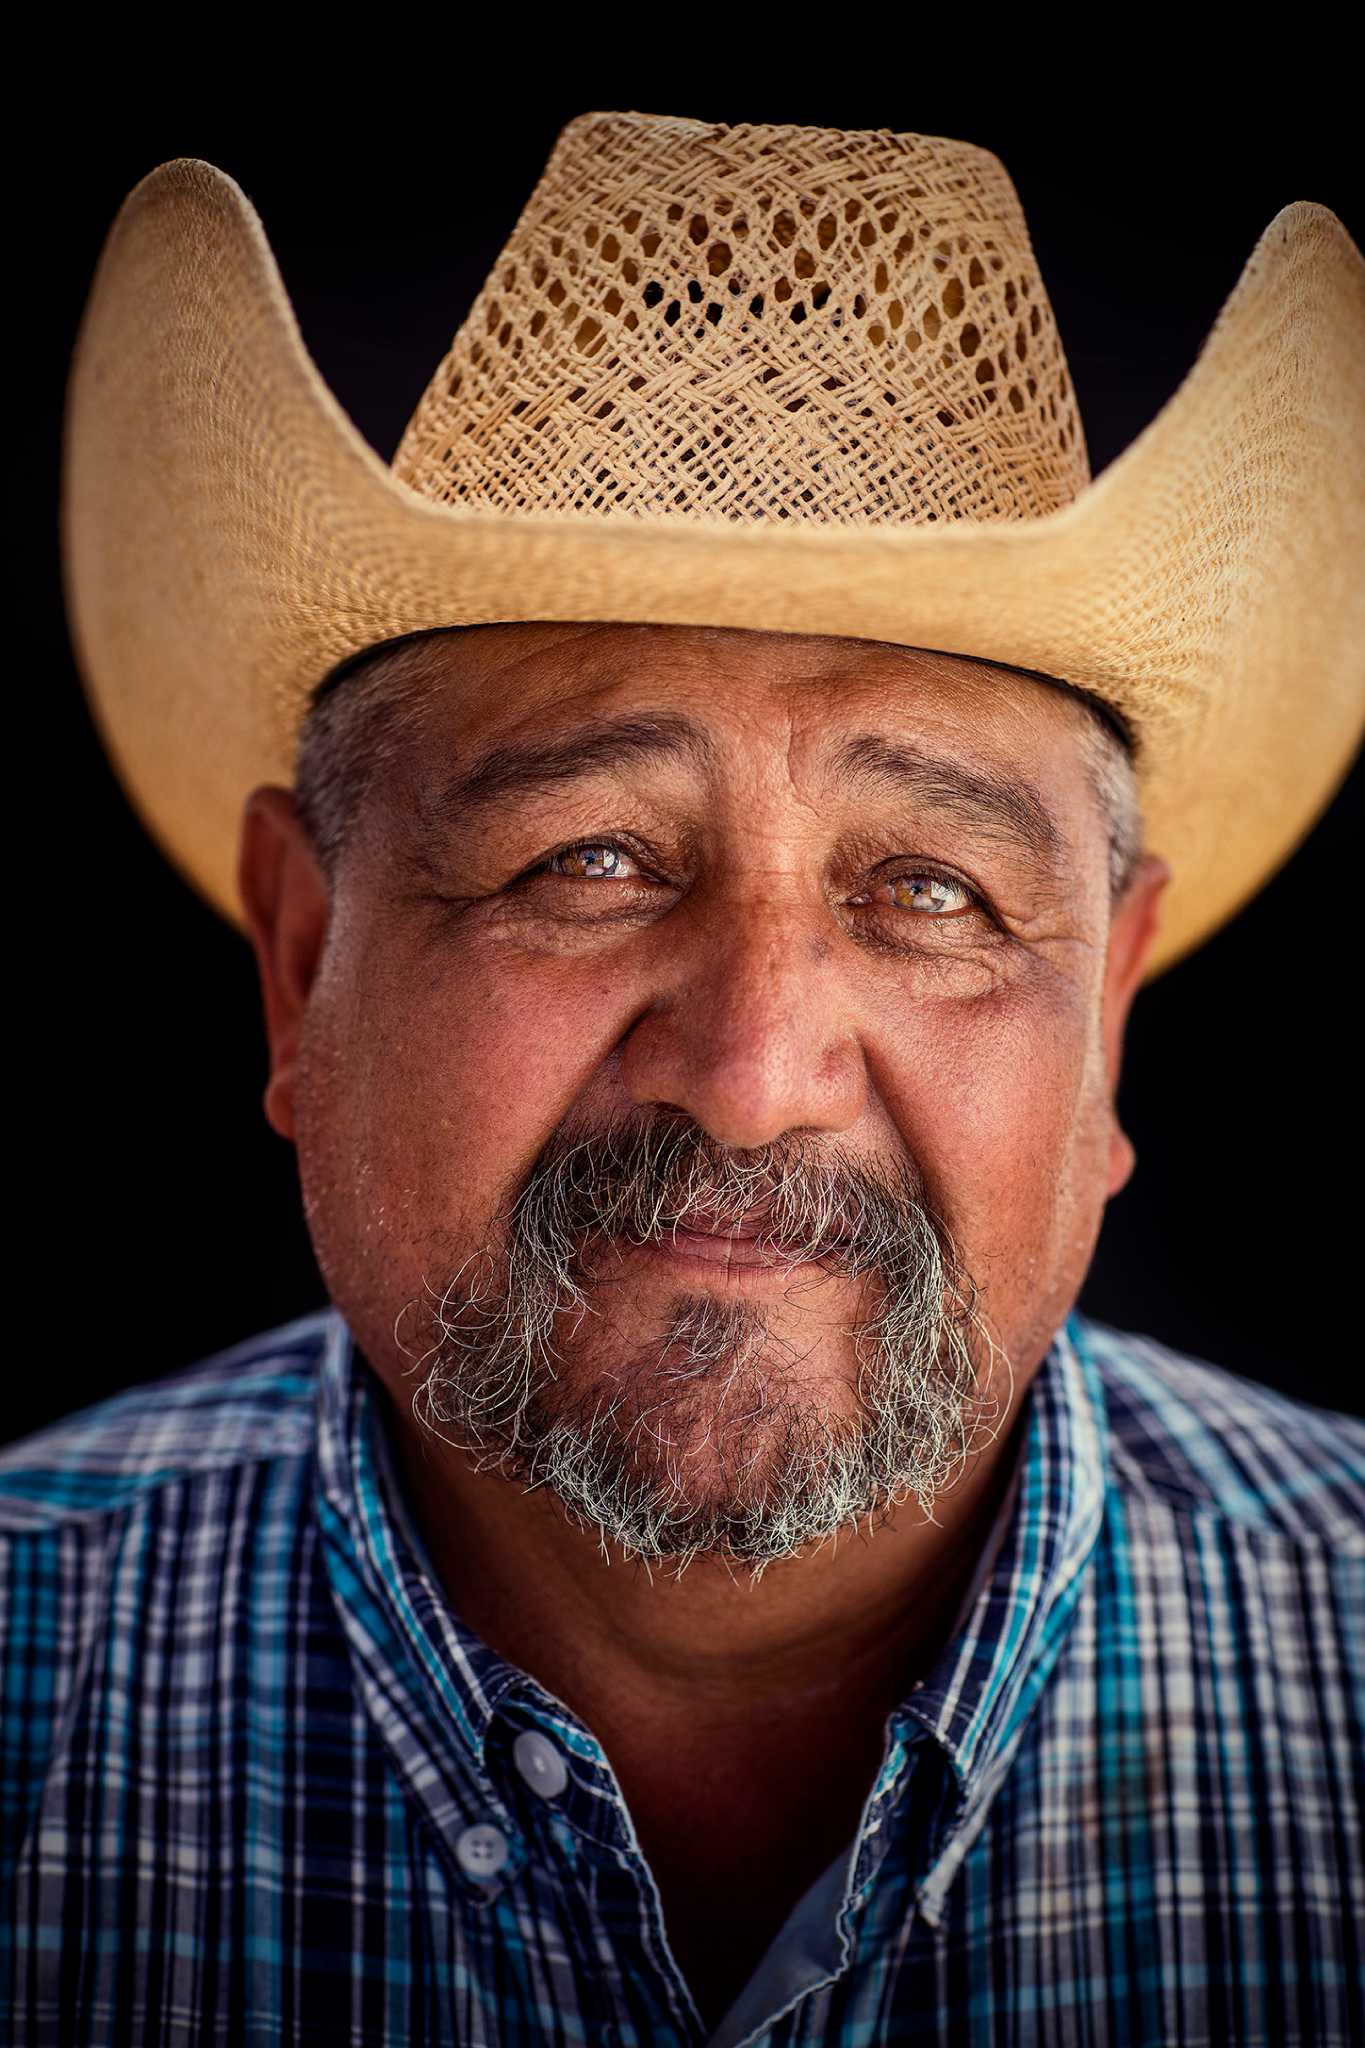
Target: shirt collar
{"x": 975, "y": 1702}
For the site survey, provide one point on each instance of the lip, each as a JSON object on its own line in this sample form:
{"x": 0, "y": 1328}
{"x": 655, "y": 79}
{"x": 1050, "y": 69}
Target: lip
{"x": 722, "y": 1247}
{"x": 730, "y": 1258}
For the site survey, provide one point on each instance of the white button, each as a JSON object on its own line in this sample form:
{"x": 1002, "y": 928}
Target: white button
{"x": 482, "y": 1851}
{"x": 540, "y": 1763}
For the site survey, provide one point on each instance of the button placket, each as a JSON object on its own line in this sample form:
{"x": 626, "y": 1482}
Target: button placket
{"x": 568, "y": 1789}
{"x": 881, "y": 1818}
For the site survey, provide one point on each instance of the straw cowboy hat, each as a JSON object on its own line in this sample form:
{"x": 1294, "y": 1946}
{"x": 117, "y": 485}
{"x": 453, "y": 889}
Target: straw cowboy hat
{"x": 802, "y": 380}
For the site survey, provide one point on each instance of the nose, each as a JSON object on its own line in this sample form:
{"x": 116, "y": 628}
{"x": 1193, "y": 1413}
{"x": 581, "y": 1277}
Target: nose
{"x": 752, "y": 1037}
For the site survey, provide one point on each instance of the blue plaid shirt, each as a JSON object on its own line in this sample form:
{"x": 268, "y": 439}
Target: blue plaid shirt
{"x": 259, "y": 1784}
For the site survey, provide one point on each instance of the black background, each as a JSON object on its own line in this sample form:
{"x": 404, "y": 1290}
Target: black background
{"x": 159, "y": 1215}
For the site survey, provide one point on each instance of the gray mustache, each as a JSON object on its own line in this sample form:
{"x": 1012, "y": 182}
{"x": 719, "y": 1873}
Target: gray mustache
{"x": 641, "y": 1182}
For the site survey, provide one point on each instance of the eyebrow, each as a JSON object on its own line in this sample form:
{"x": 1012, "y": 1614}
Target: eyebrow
{"x": 1000, "y": 806}
{"x": 521, "y": 767}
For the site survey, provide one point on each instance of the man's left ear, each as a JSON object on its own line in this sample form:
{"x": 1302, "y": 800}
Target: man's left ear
{"x": 1131, "y": 932}
{"x": 285, "y": 899}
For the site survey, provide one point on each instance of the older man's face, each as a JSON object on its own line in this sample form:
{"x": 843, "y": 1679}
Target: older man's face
{"x": 656, "y": 934}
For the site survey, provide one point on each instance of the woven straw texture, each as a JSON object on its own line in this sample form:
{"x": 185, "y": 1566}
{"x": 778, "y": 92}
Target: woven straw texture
{"x": 764, "y": 324}
{"x": 902, "y": 462}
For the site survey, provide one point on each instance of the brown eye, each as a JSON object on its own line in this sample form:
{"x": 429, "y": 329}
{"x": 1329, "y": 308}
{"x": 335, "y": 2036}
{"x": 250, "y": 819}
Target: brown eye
{"x": 933, "y": 895}
{"x": 589, "y": 861}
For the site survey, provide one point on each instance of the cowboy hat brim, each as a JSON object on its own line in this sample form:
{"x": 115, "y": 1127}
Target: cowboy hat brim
{"x": 228, "y": 537}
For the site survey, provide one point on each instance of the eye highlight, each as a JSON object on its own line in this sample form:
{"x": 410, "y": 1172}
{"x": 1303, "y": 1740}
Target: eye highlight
{"x": 925, "y": 892}
{"x": 920, "y": 892}
{"x": 901, "y": 898}
{"x": 928, "y": 893}
{"x": 589, "y": 860}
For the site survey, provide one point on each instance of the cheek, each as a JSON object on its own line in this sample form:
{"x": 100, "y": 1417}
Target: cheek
{"x": 424, "y": 1088}
{"x": 998, "y": 1103}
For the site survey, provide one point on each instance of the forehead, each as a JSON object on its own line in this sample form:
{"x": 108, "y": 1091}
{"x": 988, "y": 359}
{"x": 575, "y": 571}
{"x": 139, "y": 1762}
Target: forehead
{"x": 757, "y": 693}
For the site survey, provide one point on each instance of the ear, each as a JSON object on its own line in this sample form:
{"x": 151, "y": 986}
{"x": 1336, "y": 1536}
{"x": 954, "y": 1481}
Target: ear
{"x": 286, "y": 899}
{"x": 1132, "y": 929}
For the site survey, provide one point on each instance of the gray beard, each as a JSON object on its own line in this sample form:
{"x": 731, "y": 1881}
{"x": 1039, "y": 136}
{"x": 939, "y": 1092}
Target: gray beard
{"x": 615, "y": 1446}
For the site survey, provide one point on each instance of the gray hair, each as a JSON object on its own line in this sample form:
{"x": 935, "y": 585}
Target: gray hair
{"x": 365, "y": 711}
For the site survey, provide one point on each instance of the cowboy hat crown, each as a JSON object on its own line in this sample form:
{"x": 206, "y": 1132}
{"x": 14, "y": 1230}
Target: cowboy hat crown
{"x": 764, "y": 323}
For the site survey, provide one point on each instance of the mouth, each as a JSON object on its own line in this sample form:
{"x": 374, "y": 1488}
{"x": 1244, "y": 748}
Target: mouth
{"x": 725, "y": 1247}
{"x": 735, "y": 1247}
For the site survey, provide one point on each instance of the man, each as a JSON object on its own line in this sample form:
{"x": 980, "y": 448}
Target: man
{"x": 702, "y": 1580}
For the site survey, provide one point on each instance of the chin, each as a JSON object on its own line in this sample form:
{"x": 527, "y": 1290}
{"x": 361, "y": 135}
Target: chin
{"x": 694, "y": 1347}
{"x": 711, "y": 1403}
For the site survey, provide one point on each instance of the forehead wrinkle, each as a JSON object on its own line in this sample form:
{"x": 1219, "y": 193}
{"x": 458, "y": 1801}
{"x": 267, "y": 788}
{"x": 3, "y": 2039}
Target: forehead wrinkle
{"x": 1002, "y": 806}
{"x": 520, "y": 767}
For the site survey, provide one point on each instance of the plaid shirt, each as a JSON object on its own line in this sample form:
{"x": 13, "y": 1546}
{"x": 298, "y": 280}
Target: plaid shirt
{"x": 258, "y": 1783}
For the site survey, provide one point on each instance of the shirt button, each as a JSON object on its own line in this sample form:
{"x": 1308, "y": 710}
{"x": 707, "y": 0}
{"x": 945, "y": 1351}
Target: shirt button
{"x": 481, "y": 1852}
{"x": 540, "y": 1763}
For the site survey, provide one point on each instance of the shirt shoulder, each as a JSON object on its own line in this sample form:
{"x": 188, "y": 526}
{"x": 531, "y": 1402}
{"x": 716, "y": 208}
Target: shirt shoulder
{"x": 1198, "y": 1435}
{"x": 253, "y": 1401}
